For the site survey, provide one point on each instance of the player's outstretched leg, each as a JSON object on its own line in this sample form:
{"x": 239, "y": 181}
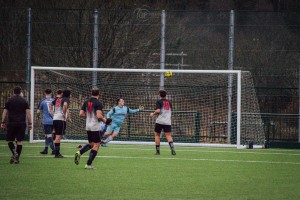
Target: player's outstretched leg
{"x": 103, "y": 143}
{"x": 77, "y": 157}
{"x": 107, "y": 140}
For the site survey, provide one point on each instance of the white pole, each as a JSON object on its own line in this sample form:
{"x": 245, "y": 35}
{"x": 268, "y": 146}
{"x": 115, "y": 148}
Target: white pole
{"x": 238, "y": 116}
{"x": 230, "y": 67}
{"x": 162, "y": 49}
{"x": 134, "y": 70}
{"x": 32, "y": 104}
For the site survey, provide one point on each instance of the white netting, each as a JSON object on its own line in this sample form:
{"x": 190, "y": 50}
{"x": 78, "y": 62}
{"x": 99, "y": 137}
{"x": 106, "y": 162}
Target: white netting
{"x": 200, "y": 104}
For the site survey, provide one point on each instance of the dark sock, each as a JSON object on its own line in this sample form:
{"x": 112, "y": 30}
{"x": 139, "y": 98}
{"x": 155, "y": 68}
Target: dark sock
{"x": 157, "y": 148}
{"x": 171, "y": 145}
{"x": 11, "y": 147}
{"x": 19, "y": 149}
{"x": 50, "y": 142}
{"x": 92, "y": 156}
{"x": 85, "y": 148}
{"x": 57, "y": 149}
{"x": 46, "y": 142}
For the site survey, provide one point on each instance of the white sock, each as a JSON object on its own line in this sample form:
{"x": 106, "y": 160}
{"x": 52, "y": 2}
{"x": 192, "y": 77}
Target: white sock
{"x": 110, "y": 138}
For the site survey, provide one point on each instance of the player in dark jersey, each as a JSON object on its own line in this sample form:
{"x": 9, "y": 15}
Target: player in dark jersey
{"x": 92, "y": 111}
{"x": 163, "y": 111}
{"x": 17, "y": 109}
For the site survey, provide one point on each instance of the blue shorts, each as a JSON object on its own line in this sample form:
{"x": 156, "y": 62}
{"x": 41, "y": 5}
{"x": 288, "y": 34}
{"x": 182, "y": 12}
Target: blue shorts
{"x": 48, "y": 129}
{"x": 113, "y": 128}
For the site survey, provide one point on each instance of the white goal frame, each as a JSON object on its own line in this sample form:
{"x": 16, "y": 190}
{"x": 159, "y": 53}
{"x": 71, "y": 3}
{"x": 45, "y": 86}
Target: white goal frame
{"x": 238, "y": 99}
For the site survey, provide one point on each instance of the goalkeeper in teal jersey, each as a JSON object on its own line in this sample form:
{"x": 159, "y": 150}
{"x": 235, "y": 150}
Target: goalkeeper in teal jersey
{"x": 118, "y": 115}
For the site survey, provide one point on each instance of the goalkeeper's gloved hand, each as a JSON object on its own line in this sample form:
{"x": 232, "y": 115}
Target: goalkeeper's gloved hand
{"x": 141, "y": 108}
{"x": 108, "y": 121}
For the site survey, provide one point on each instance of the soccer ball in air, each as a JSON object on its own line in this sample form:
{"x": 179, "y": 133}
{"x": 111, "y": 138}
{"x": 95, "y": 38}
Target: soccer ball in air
{"x": 168, "y": 74}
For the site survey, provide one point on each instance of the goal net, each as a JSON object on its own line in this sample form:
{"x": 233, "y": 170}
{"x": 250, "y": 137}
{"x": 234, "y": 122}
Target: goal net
{"x": 210, "y": 107}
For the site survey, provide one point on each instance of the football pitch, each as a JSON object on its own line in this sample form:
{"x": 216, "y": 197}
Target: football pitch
{"x": 134, "y": 172}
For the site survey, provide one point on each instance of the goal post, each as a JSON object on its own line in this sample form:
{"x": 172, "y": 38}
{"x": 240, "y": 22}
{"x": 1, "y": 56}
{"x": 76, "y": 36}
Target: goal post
{"x": 199, "y": 97}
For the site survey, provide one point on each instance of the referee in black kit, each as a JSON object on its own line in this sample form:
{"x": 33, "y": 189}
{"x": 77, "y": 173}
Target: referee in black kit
{"x": 17, "y": 109}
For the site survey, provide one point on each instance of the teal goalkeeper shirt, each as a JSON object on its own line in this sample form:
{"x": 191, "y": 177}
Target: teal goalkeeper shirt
{"x": 118, "y": 114}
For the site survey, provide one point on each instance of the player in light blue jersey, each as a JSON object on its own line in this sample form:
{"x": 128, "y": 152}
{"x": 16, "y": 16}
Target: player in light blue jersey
{"x": 47, "y": 121}
{"x": 118, "y": 115}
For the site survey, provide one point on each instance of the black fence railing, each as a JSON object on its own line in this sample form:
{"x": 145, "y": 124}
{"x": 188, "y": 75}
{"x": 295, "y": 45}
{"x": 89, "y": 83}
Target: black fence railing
{"x": 281, "y": 127}
{"x": 277, "y": 126}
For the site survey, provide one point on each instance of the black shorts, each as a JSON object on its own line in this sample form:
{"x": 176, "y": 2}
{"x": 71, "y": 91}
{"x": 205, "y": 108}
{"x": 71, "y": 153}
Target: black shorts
{"x": 16, "y": 131}
{"x": 94, "y": 136}
{"x": 160, "y": 127}
{"x": 59, "y": 127}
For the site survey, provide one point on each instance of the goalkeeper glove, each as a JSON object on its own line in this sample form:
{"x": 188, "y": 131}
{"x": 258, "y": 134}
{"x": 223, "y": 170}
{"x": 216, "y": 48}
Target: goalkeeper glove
{"x": 141, "y": 108}
{"x": 108, "y": 121}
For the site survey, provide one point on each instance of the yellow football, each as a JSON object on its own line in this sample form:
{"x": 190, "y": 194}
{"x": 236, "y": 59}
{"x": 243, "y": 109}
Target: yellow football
{"x": 168, "y": 74}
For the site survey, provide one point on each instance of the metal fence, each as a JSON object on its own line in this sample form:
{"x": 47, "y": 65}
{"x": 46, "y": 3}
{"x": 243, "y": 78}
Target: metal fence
{"x": 265, "y": 43}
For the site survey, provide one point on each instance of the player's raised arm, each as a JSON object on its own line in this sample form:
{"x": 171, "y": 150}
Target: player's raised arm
{"x": 110, "y": 113}
{"x": 133, "y": 111}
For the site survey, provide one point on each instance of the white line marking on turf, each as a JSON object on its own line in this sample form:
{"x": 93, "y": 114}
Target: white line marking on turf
{"x": 208, "y": 151}
{"x": 184, "y": 149}
{"x": 201, "y": 159}
{"x": 156, "y": 158}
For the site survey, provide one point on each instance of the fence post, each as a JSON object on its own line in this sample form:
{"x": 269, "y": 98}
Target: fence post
{"x": 28, "y": 67}
{"x": 28, "y": 64}
{"x": 95, "y": 47}
{"x": 230, "y": 67}
{"x": 162, "y": 49}
{"x": 299, "y": 101}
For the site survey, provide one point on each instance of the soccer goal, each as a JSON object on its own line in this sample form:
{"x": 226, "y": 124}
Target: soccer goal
{"x": 210, "y": 107}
